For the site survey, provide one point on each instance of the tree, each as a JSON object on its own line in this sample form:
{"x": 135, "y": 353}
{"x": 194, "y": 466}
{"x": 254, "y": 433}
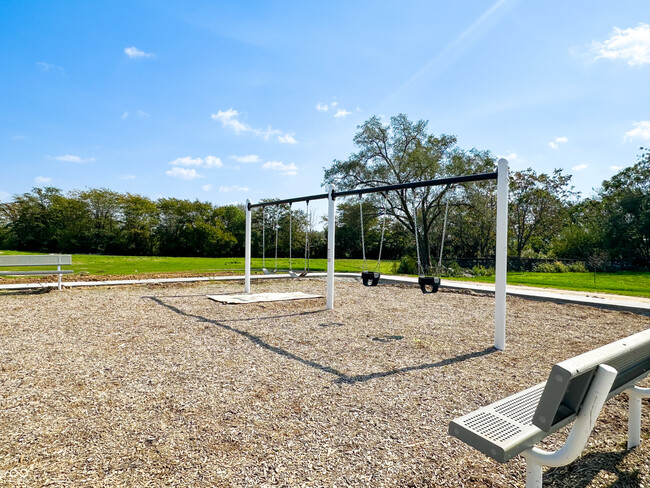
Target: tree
{"x": 626, "y": 203}
{"x": 538, "y": 206}
{"x": 402, "y": 152}
{"x": 140, "y": 217}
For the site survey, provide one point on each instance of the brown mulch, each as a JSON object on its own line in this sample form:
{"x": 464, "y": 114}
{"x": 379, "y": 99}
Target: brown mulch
{"x": 159, "y": 386}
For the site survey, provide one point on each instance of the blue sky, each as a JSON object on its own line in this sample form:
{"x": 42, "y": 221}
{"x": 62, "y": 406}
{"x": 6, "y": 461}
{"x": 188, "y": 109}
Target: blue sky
{"x": 223, "y": 101}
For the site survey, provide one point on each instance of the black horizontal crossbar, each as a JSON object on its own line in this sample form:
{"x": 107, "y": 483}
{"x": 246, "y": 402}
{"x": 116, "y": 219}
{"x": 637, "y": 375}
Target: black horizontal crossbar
{"x": 379, "y": 189}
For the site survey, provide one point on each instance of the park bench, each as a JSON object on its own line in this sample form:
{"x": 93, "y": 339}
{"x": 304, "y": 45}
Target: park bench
{"x": 24, "y": 260}
{"x": 576, "y": 390}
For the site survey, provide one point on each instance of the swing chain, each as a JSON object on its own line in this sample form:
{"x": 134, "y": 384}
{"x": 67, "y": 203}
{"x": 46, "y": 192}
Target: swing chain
{"x": 417, "y": 244}
{"x": 381, "y": 240}
{"x": 290, "y": 232}
{"x": 363, "y": 242}
{"x": 307, "y": 242}
{"x": 263, "y": 240}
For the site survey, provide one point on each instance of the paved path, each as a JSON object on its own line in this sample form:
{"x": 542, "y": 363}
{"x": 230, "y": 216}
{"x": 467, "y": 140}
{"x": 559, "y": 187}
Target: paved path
{"x": 616, "y": 302}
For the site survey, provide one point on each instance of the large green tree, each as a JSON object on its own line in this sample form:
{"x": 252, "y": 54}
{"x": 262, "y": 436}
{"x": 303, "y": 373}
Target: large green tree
{"x": 401, "y": 152}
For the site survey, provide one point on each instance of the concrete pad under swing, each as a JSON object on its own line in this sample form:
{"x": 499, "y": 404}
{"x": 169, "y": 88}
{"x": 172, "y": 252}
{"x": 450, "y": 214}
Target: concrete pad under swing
{"x": 262, "y": 297}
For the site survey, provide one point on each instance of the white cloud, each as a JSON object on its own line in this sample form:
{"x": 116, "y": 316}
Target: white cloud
{"x": 127, "y": 177}
{"x": 4, "y": 196}
{"x": 207, "y": 162}
{"x": 183, "y": 173}
{"x": 125, "y": 115}
{"x": 230, "y": 120}
{"x": 249, "y": 158}
{"x": 42, "y": 180}
{"x": 228, "y": 189}
{"x": 641, "y": 131}
{"x": 134, "y": 52}
{"x": 558, "y": 140}
{"x": 207, "y": 187}
{"x": 580, "y": 167}
{"x": 631, "y": 45}
{"x": 287, "y": 139}
{"x": 322, "y": 107}
{"x": 70, "y": 158}
{"x": 17, "y": 138}
{"x": 342, "y": 113}
{"x": 284, "y": 169}
{"x": 616, "y": 168}
{"x": 48, "y": 66}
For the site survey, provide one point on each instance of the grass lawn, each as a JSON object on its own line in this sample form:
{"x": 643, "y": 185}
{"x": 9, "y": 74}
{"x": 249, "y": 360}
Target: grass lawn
{"x": 622, "y": 283}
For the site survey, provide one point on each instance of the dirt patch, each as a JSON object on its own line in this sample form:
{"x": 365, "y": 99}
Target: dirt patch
{"x": 159, "y": 386}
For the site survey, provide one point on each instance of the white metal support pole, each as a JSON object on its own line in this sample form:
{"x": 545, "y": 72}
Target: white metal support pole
{"x": 331, "y": 229}
{"x": 58, "y": 268}
{"x": 636, "y": 394}
{"x": 501, "y": 264}
{"x": 247, "y": 250}
{"x": 582, "y": 427}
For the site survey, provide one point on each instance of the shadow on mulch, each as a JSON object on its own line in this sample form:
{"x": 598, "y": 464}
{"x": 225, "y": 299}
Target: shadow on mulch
{"x": 341, "y": 377}
{"x": 581, "y": 472}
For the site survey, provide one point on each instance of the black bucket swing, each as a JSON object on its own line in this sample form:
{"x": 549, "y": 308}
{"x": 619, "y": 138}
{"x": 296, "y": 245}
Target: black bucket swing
{"x": 428, "y": 284}
{"x": 370, "y": 278}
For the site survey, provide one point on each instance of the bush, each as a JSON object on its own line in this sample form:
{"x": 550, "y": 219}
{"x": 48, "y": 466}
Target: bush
{"x": 482, "y": 271}
{"x": 406, "y": 265}
{"x": 578, "y": 267}
{"x": 453, "y": 270}
{"x": 554, "y": 267}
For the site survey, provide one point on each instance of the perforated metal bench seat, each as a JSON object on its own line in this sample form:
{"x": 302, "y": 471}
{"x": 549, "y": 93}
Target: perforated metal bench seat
{"x": 503, "y": 429}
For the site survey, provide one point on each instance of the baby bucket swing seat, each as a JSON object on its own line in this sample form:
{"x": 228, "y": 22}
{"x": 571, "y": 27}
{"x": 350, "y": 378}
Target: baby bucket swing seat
{"x": 428, "y": 284}
{"x": 371, "y": 278}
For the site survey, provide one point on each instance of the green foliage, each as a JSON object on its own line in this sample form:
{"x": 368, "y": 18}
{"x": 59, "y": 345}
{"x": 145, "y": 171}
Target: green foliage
{"x": 578, "y": 267}
{"x": 482, "y": 271}
{"x": 406, "y": 265}
{"x": 554, "y": 267}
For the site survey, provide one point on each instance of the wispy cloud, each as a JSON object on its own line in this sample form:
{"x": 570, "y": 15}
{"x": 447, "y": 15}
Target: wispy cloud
{"x": 207, "y": 187}
{"x": 287, "y": 139}
{"x": 207, "y": 162}
{"x": 284, "y": 169}
{"x": 342, "y": 113}
{"x": 579, "y": 167}
{"x": 17, "y": 138}
{"x": 133, "y": 52}
{"x": 641, "y": 131}
{"x": 555, "y": 144}
{"x": 70, "y": 158}
{"x": 616, "y": 168}
{"x": 127, "y": 177}
{"x": 183, "y": 173}
{"x": 230, "y": 120}
{"x": 49, "y": 67}
{"x": 249, "y": 158}
{"x": 630, "y": 45}
{"x": 140, "y": 114}
{"x": 42, "y": 180}
{"x": 322, "y": 107}
{"x": 228, "y": 189}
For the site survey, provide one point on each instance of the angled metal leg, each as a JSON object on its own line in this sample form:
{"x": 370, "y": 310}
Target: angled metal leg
{"x": 636, "y": 394}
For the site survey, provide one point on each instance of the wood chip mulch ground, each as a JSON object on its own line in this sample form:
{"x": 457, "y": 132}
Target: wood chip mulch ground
{"x": 151, "y": 386}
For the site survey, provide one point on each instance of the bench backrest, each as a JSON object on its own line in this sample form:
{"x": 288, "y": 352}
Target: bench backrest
{"x": 36, "y": 260}
{"x": 569, "y": 380}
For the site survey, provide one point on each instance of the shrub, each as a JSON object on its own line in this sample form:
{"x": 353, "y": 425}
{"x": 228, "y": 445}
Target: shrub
{"x": 406, "y": 265}
{"x": 482, "y": 271}
{"x": 578, "y": 267}
{"x": 554, "y": 267}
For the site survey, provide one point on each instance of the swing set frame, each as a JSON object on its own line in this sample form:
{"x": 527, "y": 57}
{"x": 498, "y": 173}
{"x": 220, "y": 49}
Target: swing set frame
{"x": 501, "y": 251}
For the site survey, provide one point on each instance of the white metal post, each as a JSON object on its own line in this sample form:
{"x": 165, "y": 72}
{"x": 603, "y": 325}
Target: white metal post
{"x": 501, "y": 264}
{"x": 331, "y": 228}
{"x": 58, "y": 268}
{"x": 582, "y": 427}
{"x": 636, "y": 394}
{"x": 247, "y": 250}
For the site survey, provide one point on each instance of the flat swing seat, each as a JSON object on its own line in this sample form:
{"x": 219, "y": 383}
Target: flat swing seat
{"x": 370, "y": 278}
{"x": 429, "y": 284}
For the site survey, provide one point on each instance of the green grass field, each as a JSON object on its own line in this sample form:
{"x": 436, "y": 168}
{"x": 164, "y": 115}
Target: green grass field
{"x": 621, "y": 283}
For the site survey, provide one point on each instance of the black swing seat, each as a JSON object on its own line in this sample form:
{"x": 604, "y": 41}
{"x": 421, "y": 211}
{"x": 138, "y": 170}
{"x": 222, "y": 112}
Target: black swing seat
{"x": 429, "y": 284}
{"x": 370, "y": 278}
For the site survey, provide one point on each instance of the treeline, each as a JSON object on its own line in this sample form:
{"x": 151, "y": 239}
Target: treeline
{"x": 547, "y": 219}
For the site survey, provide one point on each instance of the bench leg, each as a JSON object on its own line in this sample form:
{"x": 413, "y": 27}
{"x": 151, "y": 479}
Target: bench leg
{"x": 636, "y": 394}
{"x": 582, "y": 427}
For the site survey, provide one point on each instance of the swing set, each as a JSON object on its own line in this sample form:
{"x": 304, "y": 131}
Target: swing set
{"x": 428, "y": 283}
